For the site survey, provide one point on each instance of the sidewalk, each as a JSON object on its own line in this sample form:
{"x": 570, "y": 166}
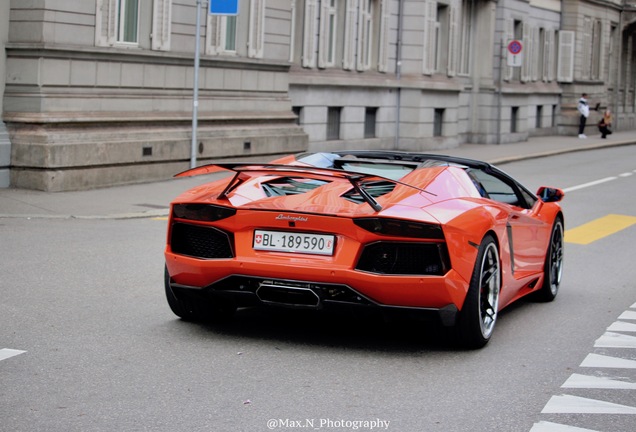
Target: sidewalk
{"x": 153, "y": 199}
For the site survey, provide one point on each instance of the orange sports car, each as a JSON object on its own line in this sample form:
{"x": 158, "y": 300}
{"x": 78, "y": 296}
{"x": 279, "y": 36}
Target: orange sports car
{"x": 433, "y": 236}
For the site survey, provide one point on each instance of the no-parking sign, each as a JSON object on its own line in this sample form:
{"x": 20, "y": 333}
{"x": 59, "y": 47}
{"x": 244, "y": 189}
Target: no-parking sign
{"x": 515, "y": 53}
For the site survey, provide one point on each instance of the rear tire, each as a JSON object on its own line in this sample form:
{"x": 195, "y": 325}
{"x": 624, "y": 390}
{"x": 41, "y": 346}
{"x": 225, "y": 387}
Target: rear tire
{"x": 476, "y": 321}
{"x": 553, "y": 267}
{"x": 196, "y": 309}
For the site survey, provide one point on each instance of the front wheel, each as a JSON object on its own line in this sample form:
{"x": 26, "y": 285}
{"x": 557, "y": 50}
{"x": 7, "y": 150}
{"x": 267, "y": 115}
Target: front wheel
{"x": 553, "y": 267}
{"x": 478, "y": 316}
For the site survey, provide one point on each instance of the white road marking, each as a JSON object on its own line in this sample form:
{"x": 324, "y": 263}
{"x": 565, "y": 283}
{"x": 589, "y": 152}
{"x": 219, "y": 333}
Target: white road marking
{"x": 601, "y": 361}
{"x": 615, "y": 340}
{"x": 590, "y": 184}
{"x": 566, "y": 404}
{"x": 6, "y": 353}
{"x": 629, "y": 315}
{"x": 544, "y": 426}
{"x": 587, "y": 381}
{"x": 633, "y": 306}
{"x": 627, "y": 174}
{"x": 622, "y": 326}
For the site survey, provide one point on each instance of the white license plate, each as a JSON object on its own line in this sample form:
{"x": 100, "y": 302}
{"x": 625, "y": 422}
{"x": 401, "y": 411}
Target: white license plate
{"x": 282, "y": 241}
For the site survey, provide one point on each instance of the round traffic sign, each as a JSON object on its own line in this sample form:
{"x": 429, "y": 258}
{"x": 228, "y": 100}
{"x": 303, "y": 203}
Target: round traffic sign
{"x": 515, "y": 47}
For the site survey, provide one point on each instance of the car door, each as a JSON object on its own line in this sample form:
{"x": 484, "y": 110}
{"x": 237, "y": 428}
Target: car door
{"x": 526, "y": 233}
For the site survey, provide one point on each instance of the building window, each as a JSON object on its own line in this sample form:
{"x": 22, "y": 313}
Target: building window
{"x": 514, "y": 117}
{"x": 438, "y": 122}
{"x": 228, "y": 33}
{"x": 592, "y": 48}
{"x": 328, "y": 33}
{"x": 554, "y": 115}
{"x": 465, "y": 38}
{"x": 333, "y": 123}
{"x": 239, "y": 35}
{"x": 370, "y": 115}
{"x": 539, "y": 119}
{"x": 128, "y": 21}
{"x": 297, "y": 111}
{"x": 436, "y": 38}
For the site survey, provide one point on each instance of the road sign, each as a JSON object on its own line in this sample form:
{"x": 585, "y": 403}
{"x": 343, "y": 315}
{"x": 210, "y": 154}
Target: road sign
{"x": 223, "y": 7}
{"x": 515, "y": 53}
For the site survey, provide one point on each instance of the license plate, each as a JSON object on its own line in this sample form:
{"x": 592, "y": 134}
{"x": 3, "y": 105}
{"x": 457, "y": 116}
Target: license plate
{"x": 282, "y": 241}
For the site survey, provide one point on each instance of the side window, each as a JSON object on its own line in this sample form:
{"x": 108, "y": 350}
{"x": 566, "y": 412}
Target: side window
{"x": 496, "y": 189}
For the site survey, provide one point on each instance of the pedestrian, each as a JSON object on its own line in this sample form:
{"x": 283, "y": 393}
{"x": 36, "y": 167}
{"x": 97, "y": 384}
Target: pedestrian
{"x": 605, "y": 123}
{"x": 584, "y": 111}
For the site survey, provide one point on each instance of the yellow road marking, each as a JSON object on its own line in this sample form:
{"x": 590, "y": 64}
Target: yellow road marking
{"x": 599, "y": 228}
{"x": 161, "y": 218}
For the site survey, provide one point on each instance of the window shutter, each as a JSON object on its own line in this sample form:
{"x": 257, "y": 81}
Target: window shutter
{"x": 106, "y": 22}
{"x": 587, "y": 47}
{"x": 528, "y": 49}
{"x": 323, "y": 35}
{"x": 213, "y": 34}
{"x": 547, "y": 55}
{"x": 536, "y": 51}
{"x": 351, "y": 13}
{"x": 602, "y": 43}
{"x": 256, "y": 33}
{"x": 309, "y": 34}
{"x": 161, "y": 24}
{"x": 364, "y": 33}
{"x": 385, "y": 20}
{"x": 565, "y": 67}
{"x": 429, "y": 53}
{"x": 452, "y": 42}
{"x": 292, "y": 32}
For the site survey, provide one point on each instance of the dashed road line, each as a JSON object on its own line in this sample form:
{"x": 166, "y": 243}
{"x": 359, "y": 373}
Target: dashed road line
{"x": 566, "y": 404}
{"x": 589, "y": 381}
{"x": 569, "y": 404}
{"x": 544, "y": 426}
{"x": 615, "y": 340}
{"x": 603, "y": 361}
{"x": 6, "y": 353}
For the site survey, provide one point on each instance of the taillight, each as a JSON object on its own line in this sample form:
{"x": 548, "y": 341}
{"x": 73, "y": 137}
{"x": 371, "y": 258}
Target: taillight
{"x": 400, "y": 228}
{"x": 201, "y": 212}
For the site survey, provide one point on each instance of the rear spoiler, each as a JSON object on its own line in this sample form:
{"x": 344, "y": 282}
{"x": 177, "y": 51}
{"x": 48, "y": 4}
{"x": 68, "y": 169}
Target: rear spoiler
{"x": 355, "y": 178}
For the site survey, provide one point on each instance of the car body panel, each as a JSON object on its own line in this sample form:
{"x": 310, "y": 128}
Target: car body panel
{"x": 445, "y": 194}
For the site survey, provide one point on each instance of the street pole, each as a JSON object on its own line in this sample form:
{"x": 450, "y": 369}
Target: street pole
{"x": 499, "y": 95}
{"x": 195, "y": 98}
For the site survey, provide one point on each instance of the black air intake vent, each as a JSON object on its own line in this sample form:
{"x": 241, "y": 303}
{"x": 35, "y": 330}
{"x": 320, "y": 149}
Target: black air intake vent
{"x": 200, "y": 242}
{"x": 405, "y": 259}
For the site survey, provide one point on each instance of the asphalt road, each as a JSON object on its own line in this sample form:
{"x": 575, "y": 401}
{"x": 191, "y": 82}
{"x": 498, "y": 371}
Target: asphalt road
{"x": 88, "y": 343}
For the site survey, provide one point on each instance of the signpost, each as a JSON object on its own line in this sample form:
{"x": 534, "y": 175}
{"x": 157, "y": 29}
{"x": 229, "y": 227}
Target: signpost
{"x": 515, "y": 59}
{"x": 216, "y": 7}
{"x": 515, "y": 53}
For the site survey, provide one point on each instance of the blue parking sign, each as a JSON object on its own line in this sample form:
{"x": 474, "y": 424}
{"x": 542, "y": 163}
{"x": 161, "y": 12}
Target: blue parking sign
{"x": 223, "y": 7}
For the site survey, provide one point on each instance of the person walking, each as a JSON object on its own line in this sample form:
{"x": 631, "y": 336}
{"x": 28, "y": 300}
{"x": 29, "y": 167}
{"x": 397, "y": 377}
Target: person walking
{"x": 605, "y": 123}
{"x": 584, "y": 111}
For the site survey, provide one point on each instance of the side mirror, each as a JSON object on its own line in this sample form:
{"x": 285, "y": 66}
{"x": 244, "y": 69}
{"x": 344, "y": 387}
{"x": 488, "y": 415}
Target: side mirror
{"x": 547, "y": 194}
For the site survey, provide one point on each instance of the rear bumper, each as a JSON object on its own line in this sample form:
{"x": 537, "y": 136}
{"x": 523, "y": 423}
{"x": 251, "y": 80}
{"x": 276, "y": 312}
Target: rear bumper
{"x": 410, "y": 291}
{"x": 250, "y": 291}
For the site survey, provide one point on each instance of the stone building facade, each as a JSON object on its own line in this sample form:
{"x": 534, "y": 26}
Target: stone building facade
{"x": 100, "y": 92}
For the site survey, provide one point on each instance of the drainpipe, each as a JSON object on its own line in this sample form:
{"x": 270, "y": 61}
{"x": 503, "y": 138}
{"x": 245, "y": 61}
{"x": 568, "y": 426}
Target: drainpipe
{"x": 398, "y": 74}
